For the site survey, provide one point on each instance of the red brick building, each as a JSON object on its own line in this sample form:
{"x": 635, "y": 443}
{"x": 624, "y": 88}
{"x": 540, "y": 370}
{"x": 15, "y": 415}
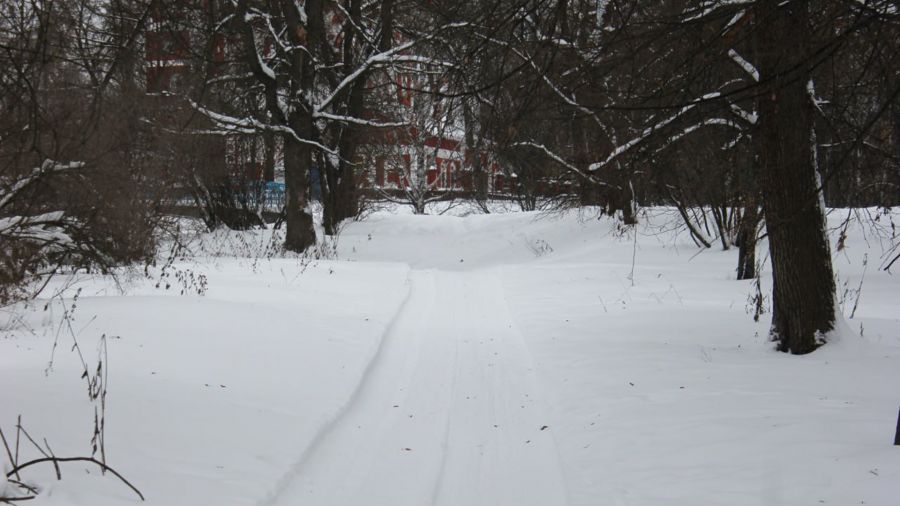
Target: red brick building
{"x": 448, "y": 162}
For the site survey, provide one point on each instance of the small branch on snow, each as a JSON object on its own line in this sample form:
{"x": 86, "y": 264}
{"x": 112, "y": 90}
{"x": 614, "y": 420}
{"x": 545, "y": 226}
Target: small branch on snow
{"x": 56, "y": 460}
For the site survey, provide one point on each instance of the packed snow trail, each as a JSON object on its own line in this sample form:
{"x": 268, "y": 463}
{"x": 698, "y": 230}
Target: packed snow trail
{"x": 447, "y": 413}
{"x": 277, "y": 387}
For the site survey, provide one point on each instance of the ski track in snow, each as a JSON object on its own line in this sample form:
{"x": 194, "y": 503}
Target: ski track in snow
{"x": 446, "y": 413}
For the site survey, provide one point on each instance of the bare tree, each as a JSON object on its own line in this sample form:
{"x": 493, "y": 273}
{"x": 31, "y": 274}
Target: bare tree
{"x": 634, "y": 84}
{"x": 76, "y": 185}
{"x": 310, "y": 67}
{"x": 423, "y": 159}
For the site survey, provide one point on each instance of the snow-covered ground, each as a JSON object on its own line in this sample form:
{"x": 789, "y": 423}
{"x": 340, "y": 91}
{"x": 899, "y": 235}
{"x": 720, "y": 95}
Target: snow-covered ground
{"x": 504, "y": 359}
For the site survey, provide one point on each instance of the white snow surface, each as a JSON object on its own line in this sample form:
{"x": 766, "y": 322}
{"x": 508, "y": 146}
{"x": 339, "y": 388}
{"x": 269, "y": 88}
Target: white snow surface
{"x": 502, "y": 359}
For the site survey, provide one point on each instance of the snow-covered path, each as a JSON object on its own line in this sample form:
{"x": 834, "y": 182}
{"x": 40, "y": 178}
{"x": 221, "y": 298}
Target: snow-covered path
{"x": 421, "y": 366}
{"x": 447, "y": 413}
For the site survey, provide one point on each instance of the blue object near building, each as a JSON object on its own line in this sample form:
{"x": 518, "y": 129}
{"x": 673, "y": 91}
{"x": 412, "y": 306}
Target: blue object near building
{"x": 274, "y": 195}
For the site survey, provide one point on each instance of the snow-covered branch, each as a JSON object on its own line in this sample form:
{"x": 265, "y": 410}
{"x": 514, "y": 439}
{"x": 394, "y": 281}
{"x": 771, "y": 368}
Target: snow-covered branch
{"x": 558, "y": 159}
{"x": 358, "y": 121}
{"x": 710, "y": 7}
{"x": 649, "y": 132}
{"x": 744, "y": 64}
{"x": 44, "y": 229}
{"x": 693, "y": 128}
{"x": 393, "y": 55}
{"x": 47, "y": 167}
{"x": 749, "y": 117}
{"x": 566, "y": 98}
{"x": 253, "y": 125}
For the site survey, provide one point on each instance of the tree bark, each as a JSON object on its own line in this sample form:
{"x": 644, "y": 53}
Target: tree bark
{"x": 340, "y": 199}
{"x": 339, "y": 196}
{"x": 343, "y": 197}
{"x": 747, "y": 239}
{"x": 300, "y": 233}
{"x": 473, "y": 156}
{"x": 804, "y": 291}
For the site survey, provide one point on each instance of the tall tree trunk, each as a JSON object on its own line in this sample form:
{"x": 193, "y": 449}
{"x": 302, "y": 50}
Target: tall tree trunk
{"x": 747, "y": 239}
{"x": 473, "y": 156}
{"x": 339, "y": 196}
{"x": 345, "y": 195}
{"x": 300, "y": 232}
{"x": 804, "y": 291}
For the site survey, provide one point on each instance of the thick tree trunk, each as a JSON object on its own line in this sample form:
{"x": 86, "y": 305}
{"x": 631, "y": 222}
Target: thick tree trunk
{"x": 473, "y": 157}
{"x": 747, "y": 239}
{"x": 419, "y": 204}
{"x": 300, "y": 233}
{"x": 804, "y": 292}
{"x": 339, "y": 197}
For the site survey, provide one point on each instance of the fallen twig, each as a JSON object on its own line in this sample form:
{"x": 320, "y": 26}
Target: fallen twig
{"x": 8, "y": 451}
{"x": 57, "y": 460}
